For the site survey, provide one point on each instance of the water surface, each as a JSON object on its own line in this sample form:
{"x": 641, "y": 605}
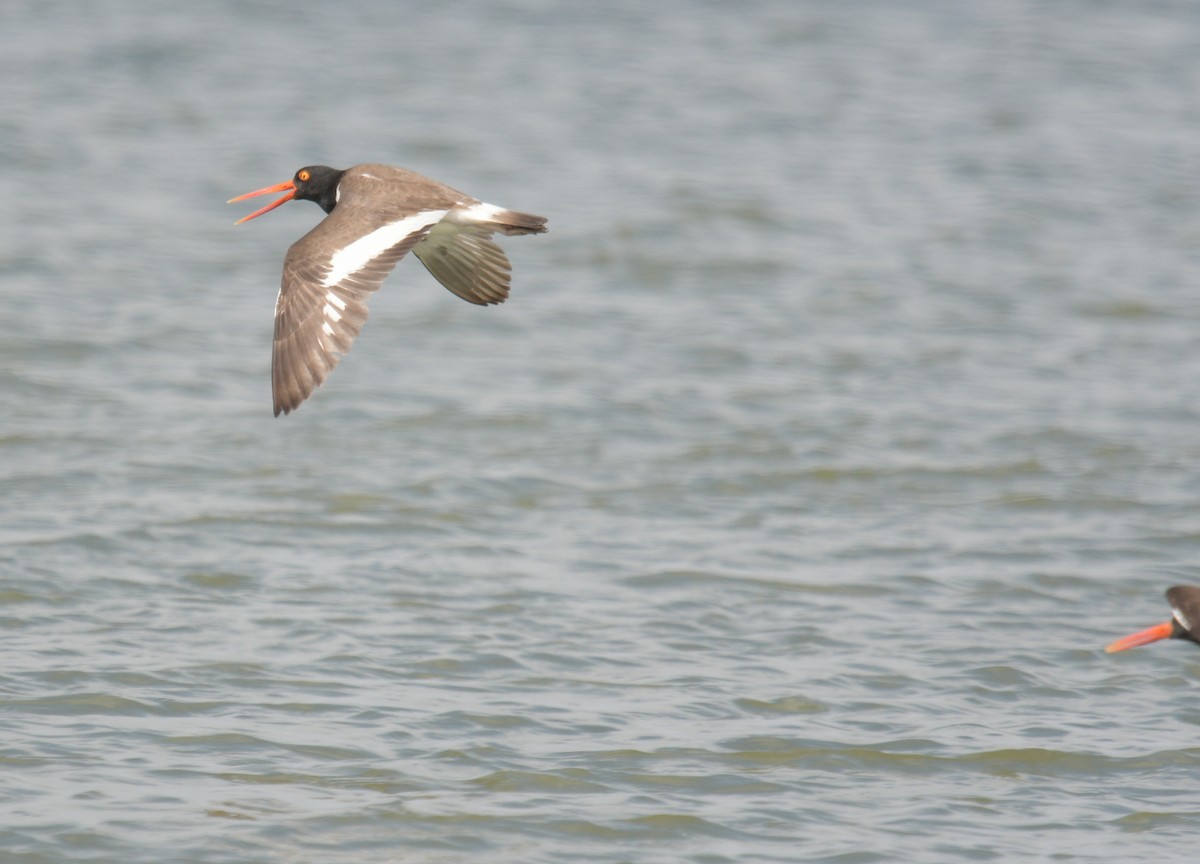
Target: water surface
{"x": 847, "y": 410}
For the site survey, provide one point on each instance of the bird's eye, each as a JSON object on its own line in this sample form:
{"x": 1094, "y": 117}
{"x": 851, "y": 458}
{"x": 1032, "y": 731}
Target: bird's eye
{"x": 303, "y": 176}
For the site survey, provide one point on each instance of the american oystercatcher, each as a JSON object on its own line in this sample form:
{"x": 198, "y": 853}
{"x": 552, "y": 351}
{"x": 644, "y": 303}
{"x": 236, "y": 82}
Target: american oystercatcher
{"x": 376, "y": 214}
{"x": 1184, "y": 623}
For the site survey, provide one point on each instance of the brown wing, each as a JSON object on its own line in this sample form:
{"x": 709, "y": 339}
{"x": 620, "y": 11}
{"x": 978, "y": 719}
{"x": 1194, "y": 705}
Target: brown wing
{"x": 328, "y": 275}
{"x": 465, "y": 260}
{"x": 460, "y": 254}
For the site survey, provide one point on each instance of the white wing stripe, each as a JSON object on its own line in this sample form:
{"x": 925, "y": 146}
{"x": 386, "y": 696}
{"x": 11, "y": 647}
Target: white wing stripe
{"x": 476, "y": 213}
{"x": 349, "y": 260}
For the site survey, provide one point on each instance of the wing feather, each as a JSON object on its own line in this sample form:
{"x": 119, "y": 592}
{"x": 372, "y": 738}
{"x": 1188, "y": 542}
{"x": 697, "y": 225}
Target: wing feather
{"x": 318, "y": 318}
{"x": 465, "y": 260}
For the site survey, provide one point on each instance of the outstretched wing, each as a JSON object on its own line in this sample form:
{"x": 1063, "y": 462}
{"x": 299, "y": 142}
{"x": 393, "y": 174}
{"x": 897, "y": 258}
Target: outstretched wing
{"x": 328, "y": 275}
{"x": 466, "y": 261}
{"x": 460, "y": 254}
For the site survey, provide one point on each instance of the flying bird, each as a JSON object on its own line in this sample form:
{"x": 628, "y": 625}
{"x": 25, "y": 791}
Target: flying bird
{"x": 376, "y": 214}
{"x": 1184, "y": 623}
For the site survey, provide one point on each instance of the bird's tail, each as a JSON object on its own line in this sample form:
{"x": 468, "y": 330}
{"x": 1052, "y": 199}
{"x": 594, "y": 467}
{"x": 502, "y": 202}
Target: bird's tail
{"x": 511, "y": 222}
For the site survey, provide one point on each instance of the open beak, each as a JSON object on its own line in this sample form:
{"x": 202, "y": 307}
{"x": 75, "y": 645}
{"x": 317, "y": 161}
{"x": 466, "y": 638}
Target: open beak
{"x": 1158, "y": 631}
{"x": 287, "y": 186}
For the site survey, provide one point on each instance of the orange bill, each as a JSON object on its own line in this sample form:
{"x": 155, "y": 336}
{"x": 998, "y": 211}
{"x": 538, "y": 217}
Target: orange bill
{"x": 1145, "y": 637}
{"x": 287, "y": 186}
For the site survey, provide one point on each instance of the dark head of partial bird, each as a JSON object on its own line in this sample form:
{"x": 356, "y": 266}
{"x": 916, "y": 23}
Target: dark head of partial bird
{"x": 1184, "y": 623}
{"x": 317, "y": 183}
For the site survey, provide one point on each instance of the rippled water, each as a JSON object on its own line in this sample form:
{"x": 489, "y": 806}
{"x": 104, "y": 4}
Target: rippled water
{"x": 847, "y": 410}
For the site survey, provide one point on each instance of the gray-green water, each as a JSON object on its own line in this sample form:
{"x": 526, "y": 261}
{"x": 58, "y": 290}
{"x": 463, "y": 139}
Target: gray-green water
{"x": 847, "y": 411}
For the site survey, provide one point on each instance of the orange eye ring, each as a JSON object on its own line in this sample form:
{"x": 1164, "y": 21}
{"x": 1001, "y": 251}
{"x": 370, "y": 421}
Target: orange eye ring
{"x": 303, "y": 176}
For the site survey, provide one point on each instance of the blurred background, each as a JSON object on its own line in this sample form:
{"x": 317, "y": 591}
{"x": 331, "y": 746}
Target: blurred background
{"x": 845, "y": 413}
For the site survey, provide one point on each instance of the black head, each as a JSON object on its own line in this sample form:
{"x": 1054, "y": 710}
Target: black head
{"x": 1185, "y": 603}
{"x": 318, "y": 183}
{"x": 313, "y": 183}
